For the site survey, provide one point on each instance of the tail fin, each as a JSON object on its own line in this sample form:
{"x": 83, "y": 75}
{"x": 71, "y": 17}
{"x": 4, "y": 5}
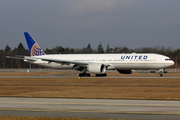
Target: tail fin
{"x": 34, "y": 48}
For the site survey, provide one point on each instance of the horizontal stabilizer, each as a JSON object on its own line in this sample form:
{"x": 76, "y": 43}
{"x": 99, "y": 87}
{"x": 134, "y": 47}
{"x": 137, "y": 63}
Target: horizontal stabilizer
{"x": 22, "y": 57}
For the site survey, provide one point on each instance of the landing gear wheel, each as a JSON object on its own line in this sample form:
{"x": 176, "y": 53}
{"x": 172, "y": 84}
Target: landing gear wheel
{"x": 101, "y": 75}
{"x": 160, "y": 75}
{"x": 88, "y": 75}
{"x": 161, "y": 71}
{"x": 84, "y": 75}
{"x": 80, "y": 74}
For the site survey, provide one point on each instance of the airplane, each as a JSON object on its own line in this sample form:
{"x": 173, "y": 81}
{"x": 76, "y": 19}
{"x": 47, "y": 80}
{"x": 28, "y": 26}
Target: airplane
{"x": 95, "y": 63}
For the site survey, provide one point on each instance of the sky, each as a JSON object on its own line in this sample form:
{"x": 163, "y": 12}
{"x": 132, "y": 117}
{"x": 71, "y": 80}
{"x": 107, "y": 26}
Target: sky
{"x": 77, "y": 23}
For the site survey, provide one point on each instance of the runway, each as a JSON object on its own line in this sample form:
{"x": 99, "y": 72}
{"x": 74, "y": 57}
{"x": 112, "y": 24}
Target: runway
{"x": 90, "y": 108}
{"x": 63, "y": 76}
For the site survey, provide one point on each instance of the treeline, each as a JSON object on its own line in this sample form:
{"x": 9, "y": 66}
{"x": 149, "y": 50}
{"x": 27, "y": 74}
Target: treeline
{"x": 20, "y": 50}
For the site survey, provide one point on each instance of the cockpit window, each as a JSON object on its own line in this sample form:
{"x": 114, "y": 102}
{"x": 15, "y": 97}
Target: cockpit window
{"x": 167, "y": 59}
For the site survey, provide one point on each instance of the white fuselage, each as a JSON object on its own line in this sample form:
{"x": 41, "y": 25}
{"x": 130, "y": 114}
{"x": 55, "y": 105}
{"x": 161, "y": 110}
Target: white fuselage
{"x": 145, "y": 61}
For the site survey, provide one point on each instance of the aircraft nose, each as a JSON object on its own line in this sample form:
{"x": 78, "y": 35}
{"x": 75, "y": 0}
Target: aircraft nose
{"x": 172, "y": 62}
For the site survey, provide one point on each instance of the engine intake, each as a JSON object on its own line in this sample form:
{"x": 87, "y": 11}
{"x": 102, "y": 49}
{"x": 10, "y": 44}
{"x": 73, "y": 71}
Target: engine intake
{"x": 97, "y": 68}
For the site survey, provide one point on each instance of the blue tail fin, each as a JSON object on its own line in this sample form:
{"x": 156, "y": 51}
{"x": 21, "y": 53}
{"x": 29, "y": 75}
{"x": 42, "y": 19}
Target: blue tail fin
{"x": 34, "y": 48}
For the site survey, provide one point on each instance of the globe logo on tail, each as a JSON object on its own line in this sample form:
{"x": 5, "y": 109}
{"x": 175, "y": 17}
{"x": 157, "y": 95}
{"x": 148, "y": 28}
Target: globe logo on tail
{"x": 36, "y": 50}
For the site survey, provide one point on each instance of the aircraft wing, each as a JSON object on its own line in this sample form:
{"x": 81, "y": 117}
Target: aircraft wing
{"x": 33, "y": 59}
{"x": 60, "y": 61}
{"x": 56, "y": 60}
{"x": 47, "y": 59}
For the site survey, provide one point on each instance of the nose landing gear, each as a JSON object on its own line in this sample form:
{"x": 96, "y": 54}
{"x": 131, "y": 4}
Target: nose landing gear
{"x": 161, "y": 72}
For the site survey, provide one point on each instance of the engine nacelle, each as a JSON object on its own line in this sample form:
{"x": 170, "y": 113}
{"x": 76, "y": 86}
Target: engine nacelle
{"x": 125, "y": 71}
{"x": 97, "y": 68}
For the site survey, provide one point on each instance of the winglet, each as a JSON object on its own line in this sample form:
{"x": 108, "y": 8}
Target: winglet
{"x": 34, "y": 48}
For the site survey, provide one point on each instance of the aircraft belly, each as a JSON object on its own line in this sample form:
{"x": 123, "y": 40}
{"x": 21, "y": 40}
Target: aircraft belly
{"x": 138, "y": 66}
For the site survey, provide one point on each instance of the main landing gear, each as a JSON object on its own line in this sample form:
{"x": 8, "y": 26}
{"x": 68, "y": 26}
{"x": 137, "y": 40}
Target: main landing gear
{"x": 84, "y": 74}
{"x": 101, "y": 75}
{"x": 161, "y": 72}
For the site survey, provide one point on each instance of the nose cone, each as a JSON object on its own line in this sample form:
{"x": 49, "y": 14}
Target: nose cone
{"x": 169, "y": 63}
{"x": 172, "y": 63}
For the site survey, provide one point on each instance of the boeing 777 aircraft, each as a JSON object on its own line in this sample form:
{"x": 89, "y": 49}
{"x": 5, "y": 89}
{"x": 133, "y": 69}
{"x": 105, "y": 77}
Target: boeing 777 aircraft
{"x": 96, "y": 63}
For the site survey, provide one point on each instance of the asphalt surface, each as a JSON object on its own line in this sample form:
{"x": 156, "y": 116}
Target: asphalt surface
{"x": 64, "y": 76}
{"x": 90, "y": 108}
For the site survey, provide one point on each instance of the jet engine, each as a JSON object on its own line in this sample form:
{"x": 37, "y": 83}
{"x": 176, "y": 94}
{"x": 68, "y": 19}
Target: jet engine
{"x": 125, "y": 71}
{"x": 97, "y": 68}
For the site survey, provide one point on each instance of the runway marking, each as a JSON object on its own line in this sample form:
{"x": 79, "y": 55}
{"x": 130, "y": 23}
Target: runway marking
{"x": 120, "y": 112}
{"x": 120, "y": 104}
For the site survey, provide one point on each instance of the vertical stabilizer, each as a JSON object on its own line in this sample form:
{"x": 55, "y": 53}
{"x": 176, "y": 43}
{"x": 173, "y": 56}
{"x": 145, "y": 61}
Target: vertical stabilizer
{"x": 34, "y": 48}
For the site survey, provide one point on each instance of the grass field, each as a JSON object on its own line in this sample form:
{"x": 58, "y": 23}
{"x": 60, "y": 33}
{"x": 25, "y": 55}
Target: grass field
{"x": 114, "y": 88}
{"x": 46, "y": 118}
